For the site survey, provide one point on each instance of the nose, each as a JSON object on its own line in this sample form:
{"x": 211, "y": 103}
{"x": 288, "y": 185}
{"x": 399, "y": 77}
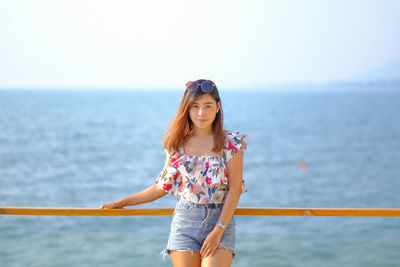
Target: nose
{"x": 200, "y": 111}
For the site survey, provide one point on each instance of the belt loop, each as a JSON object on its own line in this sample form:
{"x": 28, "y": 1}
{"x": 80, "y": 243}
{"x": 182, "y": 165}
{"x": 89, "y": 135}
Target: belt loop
{"x": 208, "y": 214}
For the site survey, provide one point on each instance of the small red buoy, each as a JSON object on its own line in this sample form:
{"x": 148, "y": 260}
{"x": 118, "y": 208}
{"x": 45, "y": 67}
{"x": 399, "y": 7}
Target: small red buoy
{"x": 303, "y": 165}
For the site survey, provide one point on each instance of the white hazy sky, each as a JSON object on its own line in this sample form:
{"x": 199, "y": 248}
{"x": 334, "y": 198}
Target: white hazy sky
{"x": 147, "y": 44}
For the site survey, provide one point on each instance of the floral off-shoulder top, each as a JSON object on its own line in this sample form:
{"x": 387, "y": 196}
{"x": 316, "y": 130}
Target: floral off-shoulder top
{"x": 201, "y": 179}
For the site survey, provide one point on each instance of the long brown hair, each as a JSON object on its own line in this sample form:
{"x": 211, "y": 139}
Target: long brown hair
{"x": 181, "y": 126}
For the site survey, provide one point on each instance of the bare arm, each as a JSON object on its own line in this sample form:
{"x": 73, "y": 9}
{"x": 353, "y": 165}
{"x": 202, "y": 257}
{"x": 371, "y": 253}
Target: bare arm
{"x": 149, "y": 194}
{"x": 235, "y": 173}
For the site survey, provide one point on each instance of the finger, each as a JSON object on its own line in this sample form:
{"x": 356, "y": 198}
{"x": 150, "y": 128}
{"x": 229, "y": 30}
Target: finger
{"x": 202, "y": 251}
{"x": 208, "y": 252}
{"x": 204, "y": 254}
{"x": 213, "y": 252}
{"x": 204, "y": 248}
{"x": 205, "y": 251}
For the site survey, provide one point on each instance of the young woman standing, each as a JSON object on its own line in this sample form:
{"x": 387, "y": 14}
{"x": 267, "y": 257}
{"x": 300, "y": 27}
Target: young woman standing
{"x": 204, "y": 166}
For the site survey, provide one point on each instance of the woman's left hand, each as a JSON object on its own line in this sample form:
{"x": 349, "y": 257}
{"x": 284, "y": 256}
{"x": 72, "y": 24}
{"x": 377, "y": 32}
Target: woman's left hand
{"x": 211, "y": 243}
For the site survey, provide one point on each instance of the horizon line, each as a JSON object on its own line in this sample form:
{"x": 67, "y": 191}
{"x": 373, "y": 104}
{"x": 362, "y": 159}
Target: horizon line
{"x": 266, "y": 86}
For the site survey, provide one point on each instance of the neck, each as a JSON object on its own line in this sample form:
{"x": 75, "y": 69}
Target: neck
{"x": 202, "y": 131}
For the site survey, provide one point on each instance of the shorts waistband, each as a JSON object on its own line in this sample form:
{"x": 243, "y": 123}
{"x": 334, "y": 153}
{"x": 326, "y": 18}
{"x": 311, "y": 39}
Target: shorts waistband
{"x": 210, "y": 205}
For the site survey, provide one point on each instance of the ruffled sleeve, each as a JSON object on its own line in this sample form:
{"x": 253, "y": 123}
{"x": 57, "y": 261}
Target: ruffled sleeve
{"x": 234, "y": 141}
{"x": 169, "y": 179}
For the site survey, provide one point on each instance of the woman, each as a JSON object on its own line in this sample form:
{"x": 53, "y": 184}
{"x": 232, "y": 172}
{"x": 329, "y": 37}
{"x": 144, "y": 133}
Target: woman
{"x": 203, "y": 166}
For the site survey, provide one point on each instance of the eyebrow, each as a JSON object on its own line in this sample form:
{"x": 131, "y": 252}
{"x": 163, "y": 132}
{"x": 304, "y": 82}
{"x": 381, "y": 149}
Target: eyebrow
{"x": 204, "y": 103}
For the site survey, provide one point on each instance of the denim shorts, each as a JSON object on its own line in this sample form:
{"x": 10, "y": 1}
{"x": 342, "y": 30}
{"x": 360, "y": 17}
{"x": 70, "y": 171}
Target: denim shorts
{"x": 191, "y": 224}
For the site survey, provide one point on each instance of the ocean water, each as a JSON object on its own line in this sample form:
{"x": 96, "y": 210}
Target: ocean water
{"x": 85, "y": 148}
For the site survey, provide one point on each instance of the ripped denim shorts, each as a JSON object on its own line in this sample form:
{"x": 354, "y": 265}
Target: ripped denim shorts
{"x": 191, "y": 224}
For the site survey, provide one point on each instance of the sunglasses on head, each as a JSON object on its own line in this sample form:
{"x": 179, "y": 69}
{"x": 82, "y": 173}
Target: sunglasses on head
{"x": 205, "y": 86}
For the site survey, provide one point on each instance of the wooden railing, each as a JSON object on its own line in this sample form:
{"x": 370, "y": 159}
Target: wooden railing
{"x": 61, "y": 211}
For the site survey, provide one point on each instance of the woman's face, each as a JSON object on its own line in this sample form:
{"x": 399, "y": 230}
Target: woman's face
{"x": 203, "y": 110}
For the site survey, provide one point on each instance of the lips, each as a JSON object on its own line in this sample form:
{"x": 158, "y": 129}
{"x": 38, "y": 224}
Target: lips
{"x": 201, "y": 120}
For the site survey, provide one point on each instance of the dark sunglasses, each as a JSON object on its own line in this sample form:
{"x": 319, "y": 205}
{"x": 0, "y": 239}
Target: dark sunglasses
{"x": 206, "y": 86}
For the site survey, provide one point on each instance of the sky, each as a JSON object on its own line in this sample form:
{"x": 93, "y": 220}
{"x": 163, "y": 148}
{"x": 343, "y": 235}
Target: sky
{"x": 163, "y": 44}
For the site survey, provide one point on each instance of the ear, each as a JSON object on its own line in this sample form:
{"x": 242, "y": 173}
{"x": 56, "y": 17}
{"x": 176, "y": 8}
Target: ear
{"x": 218, "y": 105}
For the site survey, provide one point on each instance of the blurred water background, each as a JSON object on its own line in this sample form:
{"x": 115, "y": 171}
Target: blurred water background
{"x": 85, "y": 148}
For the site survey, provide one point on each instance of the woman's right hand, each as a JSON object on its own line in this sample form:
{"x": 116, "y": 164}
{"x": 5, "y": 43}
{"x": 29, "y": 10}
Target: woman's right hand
{"x": 112, "y": 205}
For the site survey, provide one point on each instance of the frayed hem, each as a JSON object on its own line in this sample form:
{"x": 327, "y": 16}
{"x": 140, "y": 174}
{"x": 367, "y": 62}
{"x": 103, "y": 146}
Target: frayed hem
{"x": 166, "y": 252}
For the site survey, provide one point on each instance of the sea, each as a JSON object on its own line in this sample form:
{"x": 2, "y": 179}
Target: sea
{"x": 326, "y": 146}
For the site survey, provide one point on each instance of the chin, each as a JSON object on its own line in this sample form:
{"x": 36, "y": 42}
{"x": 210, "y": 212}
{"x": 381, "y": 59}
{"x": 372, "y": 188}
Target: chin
{"x": 203, "y": 125}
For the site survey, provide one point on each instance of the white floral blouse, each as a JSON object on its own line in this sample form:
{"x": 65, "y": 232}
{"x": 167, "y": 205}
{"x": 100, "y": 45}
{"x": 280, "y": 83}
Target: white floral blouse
{"x": 201, "y": 179}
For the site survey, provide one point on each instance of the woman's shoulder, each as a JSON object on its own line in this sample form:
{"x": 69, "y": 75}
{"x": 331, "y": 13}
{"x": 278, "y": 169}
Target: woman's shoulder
{"x": 234, "y": 141}
{"x": 230, "y": 134}
{"x": 171, "y": 154}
